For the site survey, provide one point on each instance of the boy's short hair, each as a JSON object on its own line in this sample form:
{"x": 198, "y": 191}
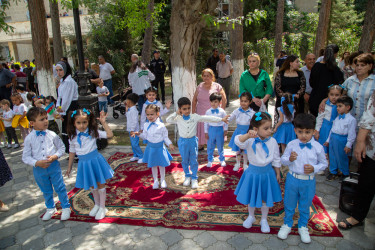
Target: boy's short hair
{"x": 34, "y": 112}
{"x": 17, "y": 66}
{"x": 304, "y": 121}
{"x": 133, "y": 97}
{"x": 346, "y": 100}
{"x": 183, "y": 101}
{"x": 215, "y": 96}
{"x": 5, "y": 102}
{"x": 20, "y": 87}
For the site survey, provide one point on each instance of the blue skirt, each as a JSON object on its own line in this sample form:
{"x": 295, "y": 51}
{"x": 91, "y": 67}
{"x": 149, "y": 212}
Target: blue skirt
{"x": 240, "y": 130}
{"x": 258, "y": 184}
{"x": 285, "y": 133}
{"x": 92, "y": 168}
{"x": 324, "y": 133}
{"x": 156, "y": 154}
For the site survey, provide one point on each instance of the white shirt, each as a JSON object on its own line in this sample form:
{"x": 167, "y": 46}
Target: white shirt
{"x": 156, "y": 133}
{"x": 132, "y": 120}
{"x": 345, "y": 126}
{"x": 67, "y": 92}
{"x": 88, "y": 144}
{"x": 307, "y": 74}
{"x": 140, "y": 79}
{"x": 7, "y": 115}
{"x": 105, "y": 71}
{"x": 102, "y": 90}
{"x": 24, "y": 98}
{"x": 188, "y": 128}
{"x": 315, "y": 156}
{"x": 326, "y": 115}
{"x": 260, "y": 158}
{"x": 163, "y": 111}
{"x": 221, "y": 114}
{"x": 39, "y": 147}
{"x": 241, "y": 117}
{"x": 286, "y": 120}
{"x": 320, "y": 59}
{"x": 20, "y": 109}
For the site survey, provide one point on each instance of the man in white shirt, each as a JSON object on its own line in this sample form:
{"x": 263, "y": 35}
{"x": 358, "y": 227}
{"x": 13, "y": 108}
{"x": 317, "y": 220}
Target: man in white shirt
{"x": 106, "y": 72}
{"x": 224, "y": 70}
{"x": 309, "y": 63}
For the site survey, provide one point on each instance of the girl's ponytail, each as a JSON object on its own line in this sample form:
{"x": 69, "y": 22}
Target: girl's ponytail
{"x": 285, "y": 100}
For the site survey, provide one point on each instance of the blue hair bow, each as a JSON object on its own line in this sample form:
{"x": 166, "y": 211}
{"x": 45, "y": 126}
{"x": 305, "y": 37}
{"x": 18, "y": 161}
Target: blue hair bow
{"x": 252, "y": 95}
{"x": 74, "y": 112}
{"x": 293, "y": 97}
{"x": 330, "y": 85}
{"x": 86, "y": 111}
{"x": 342, "y": 86}
{"x": 258, "y": 116}
{"x": 282, "y": 99}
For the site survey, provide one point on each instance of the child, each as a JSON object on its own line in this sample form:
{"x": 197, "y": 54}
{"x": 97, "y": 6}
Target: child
{"x": 341, "y": 139}
{"x": 156, "y": 155}
{"x": 284, "y": 130}
{"x": 132, "y": 125}
{"x": 6, "y": 119}
{"x": 215, "y": 132}
{"x": 188, "y": 141}
{"x": 19, "y": 119}
{"x": 258, "y": 186}
{"x": 325, "y": 119}
{"x": 21, "y": 90}
{"x": 151, "y": 94}
{"x": 243, "y": 116}
{"x": 31, "y": 96}
{"x": 53, "y": 115}
{"x": 93, "y": 170}
{"x": 2, "y": 130}
{"x": 42, "y": 150}
{"x": 103, "y": 92}
{"x": 304, "y": 157}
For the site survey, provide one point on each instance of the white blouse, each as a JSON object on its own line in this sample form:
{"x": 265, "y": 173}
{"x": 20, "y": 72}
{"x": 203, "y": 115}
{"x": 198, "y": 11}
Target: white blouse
{"x": 67, "y": 92}
{"x": 242, "y": 118}
{"x": 346, "y": 126}
{"x": 88, "y": 144}
{"x": 163, "y": 111}
{"x": 20, "y": 109}
{"x": 132, "y": 120}
{"x": 221, "y": 114}
{"x": 155, "y": 133}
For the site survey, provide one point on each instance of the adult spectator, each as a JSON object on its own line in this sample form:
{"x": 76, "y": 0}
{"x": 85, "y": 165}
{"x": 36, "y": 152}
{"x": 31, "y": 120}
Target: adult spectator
{"x": 256, "y": 81}
{"x": 5, "y": 176}
{"x": 281, "y": 59}
{"x": 321, "y": 55}
{"x": 309, "y": 63}
{"x": 106, "y": 72}
{"x": 342, "y": 59}
{"x": 30, "y": 78}
{"x": 35, "y": 75}
{"x": 349, "y": 68}
{"x": 157, "y": 67}
{"x": 364, "y": 152}
{"x": 93, "y": 77}
{"x": 290, "y": 79}
{"x": 323, "y": 74}
{"x": 224, "y": 71}
{"x": 12, "y": 68}
{"x": 212, "y": 61}
{"x": 21, "y": 77}
{"x": 22, "y": 63}
{"x": 7, "y": 82}
{"x": 201, "y": 101}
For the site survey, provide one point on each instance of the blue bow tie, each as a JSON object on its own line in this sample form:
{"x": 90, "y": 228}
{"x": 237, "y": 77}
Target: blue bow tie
{"x": 243, "y": 111}
{"x": 308, "y": 145}
{"x": 38, "y": 133}
{"x": 264, "y": 146}
{"x": 148, "y": 102}
{"x": 213, "y": 111}
{"x": 152, "y": 123}
{"x": 341, "y": 116}
{"x": 186, "y": 117}
{"x": 79, "y": 137}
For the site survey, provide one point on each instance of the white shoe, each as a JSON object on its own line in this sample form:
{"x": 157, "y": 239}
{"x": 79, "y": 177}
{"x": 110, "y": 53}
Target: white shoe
{"x": 321, "y": 172}
{"x": 140, "y": 160}
{"x": 194, "y": 184}
{"x": 163, "y": 184}
{"x": 245, "y": 167}
{"x": 65, "y": 215}
{"x": 16, "y": 146}
{"x": 9, "y": 145}
{"x": 223, "y": 164}
{"x": 284, "y": 232}
{"x": 209, "y": 164}
{"x": 187, "y": 181}
{"x": 101, "y": 213}
{"x": 94, "y": 211}
{"x": 134, "y": 159}
{"x": 2, "y": 145}
{"x": 248, "y": 223}
{"x": 236, "y": 167}
{"x": 264, "y": 227}
{"x": 156, "y": 184}
{"x": 49, "y": 213}
{"x": 304, "y": 233}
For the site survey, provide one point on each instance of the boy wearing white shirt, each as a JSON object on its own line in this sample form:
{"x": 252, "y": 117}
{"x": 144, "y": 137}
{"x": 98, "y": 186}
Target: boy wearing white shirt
{"x": 341, "y": 139}
{"x": 304, "y": 157}
{"x": 132, "y": 125}
{"x": 103, "y": 92}
{"x": 42, "y": 150}
{"x": 215, "y": 132}
{"x": 188, "y": 141}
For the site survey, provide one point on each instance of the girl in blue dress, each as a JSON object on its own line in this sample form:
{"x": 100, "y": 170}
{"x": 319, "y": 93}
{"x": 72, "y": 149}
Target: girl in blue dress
{"x": 258, "y": 186}
{"x": 284, "y": 129}
{"x": 93, "y": 170}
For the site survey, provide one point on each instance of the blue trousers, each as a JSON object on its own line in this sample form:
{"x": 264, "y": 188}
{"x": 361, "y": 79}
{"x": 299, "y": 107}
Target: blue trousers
{"x": 137, "y": 151}
{"x": 103, "y": 106}
{"x": 301, "y": 192}
{"x": 215, "y": 139}
{"x": 338, "y": 159}
{"x": 48, "y": 177}
{"x": 188, "y": 148}
{"x": 108, "y": 84}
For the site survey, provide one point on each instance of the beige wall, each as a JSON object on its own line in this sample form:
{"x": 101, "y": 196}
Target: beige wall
{"x": 308, "y": 6}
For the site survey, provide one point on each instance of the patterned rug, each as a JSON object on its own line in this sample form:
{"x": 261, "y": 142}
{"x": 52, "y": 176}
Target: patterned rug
{"x": 213, "y": 206}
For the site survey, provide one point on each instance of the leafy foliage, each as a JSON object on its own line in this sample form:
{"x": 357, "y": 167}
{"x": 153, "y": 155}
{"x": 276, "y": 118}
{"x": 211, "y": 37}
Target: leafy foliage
{"x": 4, "y": 5}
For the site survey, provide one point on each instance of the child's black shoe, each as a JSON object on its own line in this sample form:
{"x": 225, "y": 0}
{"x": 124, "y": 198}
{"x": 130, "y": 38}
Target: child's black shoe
{"x": 331, "y": 177}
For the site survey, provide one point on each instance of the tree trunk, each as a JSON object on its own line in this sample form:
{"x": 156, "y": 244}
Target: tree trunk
{"x": 55, "y": 21}
{"x": 279, "y": 28}
{"x": 186, "y": 29}
{"x": 237, "y": 48}
{"x": 39, "y": 34}
{"x": 323, "y": 24}
{"x": 147, "y": 40}
{"x": 368, "y": 32}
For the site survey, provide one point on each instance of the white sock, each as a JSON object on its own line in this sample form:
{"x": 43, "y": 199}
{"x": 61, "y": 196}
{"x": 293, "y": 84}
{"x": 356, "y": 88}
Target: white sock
{"x": 162, "y": 173}
{"x": 102, "y": 197}
{"x": 244, "y": 159}
{"x": 264, "y": 209}
{"x": 251, "y": 211}
{"x": 95, "y": 194}
{"x": 238, "y": 158}
{"x": 155, "y": 173}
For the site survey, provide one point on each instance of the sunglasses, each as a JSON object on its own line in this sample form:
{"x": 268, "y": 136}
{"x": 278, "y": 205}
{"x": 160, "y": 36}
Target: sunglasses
{"x": 253, "y": 54}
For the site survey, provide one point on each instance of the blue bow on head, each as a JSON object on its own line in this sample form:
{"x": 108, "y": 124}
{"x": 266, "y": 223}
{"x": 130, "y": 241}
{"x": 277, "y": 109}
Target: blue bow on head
{"x": 330, "y": 85}
{"x": 86, "y": 111}
{"x": 243, "y": 111}
{"x": 152, "y": 123}
{"x": 186, "y": 117}
{"x": 293, "y": 97}
{"x": 258, "y": 116}
{"x": 252, "y": 96}
{"x": 213, "y": 111}
{"x": 282, "y": 99}
{"x": 308, "y": 145}
{"x": 79, "y": 137}
{"x": 73, "y": 113}
{"x": 342, "y": 86}
{"x": 341, "y": 116}
{"x": 264, "y": 146}
{"x": 38, "y": 133}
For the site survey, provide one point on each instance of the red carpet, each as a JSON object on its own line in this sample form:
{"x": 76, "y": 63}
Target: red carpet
{"x": 131, "y": 200}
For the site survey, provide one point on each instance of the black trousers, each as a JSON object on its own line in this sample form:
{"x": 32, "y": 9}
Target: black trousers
{"x": 159, "y": 80}
{"x": 73, "y": 106}
{"x": 366, "y": 189}
{"x": 11, "y": 134}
